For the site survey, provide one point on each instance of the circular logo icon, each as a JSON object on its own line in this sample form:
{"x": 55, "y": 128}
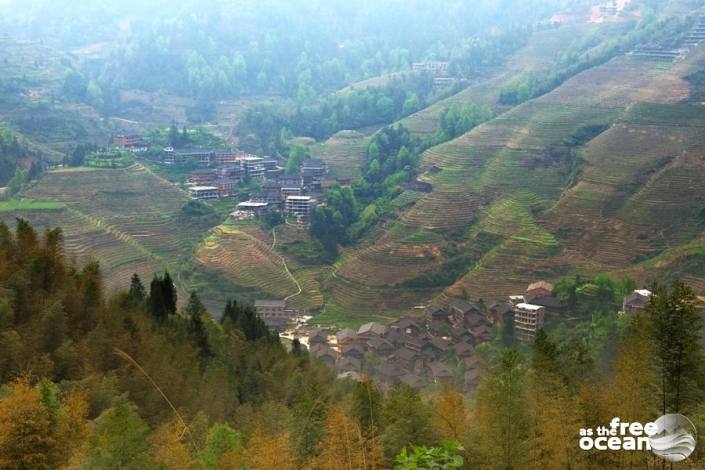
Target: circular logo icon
{"x": 675, "y": 437}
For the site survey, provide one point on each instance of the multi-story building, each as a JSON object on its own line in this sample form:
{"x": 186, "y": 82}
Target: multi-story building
{"x": 313, "y": 171}
{"x": 275, "y": 313}
{"x": 235, "y": 171}
{"x": 433, "y": 67}
{"x": 203, "y": 192}
{"x": 126, "y": 141}
{"x": 253, "y": 166}
{"x": 528, "y": 320}
{"x": 226, "y": 186}
{"x": 299, "y": 207}
{"x": 202, "y": 176}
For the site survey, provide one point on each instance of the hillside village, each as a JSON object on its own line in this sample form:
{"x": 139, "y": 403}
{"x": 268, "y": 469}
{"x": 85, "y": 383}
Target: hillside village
{"x": 437, "y": 347}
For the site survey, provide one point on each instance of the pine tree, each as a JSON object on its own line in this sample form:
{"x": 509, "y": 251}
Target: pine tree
{"x": 679, "y": 351}
{"x": 137, "y": 292}
{"x": 169, "y": 294}
{"x": 156, "y": 301}
{"x": 501, "y": 418}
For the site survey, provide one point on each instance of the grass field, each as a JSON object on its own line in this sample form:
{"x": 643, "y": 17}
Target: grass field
{"x": 25, "y": 204}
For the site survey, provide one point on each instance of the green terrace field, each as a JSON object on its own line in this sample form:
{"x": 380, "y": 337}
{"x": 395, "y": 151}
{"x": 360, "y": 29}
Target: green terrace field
{"x": 128, "y": 219}
{"x": 537, "y": 57}
{"x": 345, "y": 153}
{"x": 85, "y": 240}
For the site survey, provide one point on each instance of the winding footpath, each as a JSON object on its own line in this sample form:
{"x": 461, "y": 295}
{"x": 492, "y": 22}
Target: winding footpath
{"x": 286, "y": 268}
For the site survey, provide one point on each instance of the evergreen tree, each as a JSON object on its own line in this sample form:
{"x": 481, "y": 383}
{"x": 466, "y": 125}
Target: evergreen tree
{"x": 169, "y": 294}
{"x": 156, "y": 301}
{"x": 137, "y": 292}
{"x": 680, "y": 355}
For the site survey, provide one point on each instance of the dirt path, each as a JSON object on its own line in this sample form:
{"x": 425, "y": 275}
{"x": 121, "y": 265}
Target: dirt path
{"x": 286, "y": 268}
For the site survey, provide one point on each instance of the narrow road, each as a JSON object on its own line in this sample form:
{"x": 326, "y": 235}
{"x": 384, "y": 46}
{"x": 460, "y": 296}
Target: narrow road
{"x": 286, "y": 268}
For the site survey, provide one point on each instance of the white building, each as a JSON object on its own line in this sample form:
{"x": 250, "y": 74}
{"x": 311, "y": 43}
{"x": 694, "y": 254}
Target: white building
{"x": 203, "y": 192}
{"x": 299, "y": 207}
{"x": 528, "y": 320}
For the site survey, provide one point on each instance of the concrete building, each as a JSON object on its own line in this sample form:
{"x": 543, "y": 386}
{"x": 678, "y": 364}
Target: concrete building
{"x": 234, "y": 171}
{"x": 275, "y": 314}
{"x": 254, "y": 168}
{"x": 299, "y": 207}
{"x": 226, "y": 186}
{"x": 433, "y": 67}
{"x": 203, "y": 192}
{"x": 127, "y": 141}
{"x": 201, "y": 176}
{"x": 528, "y": 320}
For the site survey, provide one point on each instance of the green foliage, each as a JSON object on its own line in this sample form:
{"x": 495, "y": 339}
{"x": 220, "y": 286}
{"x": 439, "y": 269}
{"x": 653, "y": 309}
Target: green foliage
{"x": 221, "y": 439}
{"x": 120, "y": 440}
{"x": 162, "y": 297}
{"x": 431, "y": 458}
{"x": 297, "y": 155}
{"x": 676, "y": 331}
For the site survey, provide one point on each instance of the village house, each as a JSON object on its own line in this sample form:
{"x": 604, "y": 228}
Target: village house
{"x": 317, "y": 336}
{"x": 441, "y": 373}
{"x": 202, "y": 157}
{"x": 463, "y": 350}
{"x": 236, "y": 172}
{"x": 353, "y": 350}
{"x": 299, "y": 207}
{"x": 227, "y": 187}
{"x": 464, "y": 314}
{"x": 407, "y": 327}
{"x": 528, "y": 320}
{"x": 419, "y": 186}
{"x": 635, "y": 302}
{"x": 432, "y": 66}
{"x": 203, "y": 192}
{"x": 291, "y": 180}
{"x": 439, "y": 320}
{"x": 201, "y": 176}
{"x": 223, "y": 157}
{"x": 324, "y": 353}
{"x": 127, "y": 141}
{"x": 254, "y": 169}
{"x": 276, "y": 314}
{"x": 348, "y": 364}
{"x": 499, "y": 313}
{"x": 313, "y": 171}
{"x": 380, "y": 346}
{"x": 537, "y": 289}
{"x": 345, "y": 338}
{"x": 272, "y": 192}
{"x": 408, "y": 359}
{"x": 252, "y": 207}
{"x": 371, "y": 330}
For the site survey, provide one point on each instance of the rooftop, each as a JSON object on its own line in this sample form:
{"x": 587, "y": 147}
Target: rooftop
{"x": 203, "y": 188}
{"x": 540, "y": 285}
{"x": 530, "y": 307}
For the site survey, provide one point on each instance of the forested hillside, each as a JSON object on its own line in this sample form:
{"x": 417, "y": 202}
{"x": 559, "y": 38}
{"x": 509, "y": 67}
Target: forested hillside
{"x": 127, "y": 381}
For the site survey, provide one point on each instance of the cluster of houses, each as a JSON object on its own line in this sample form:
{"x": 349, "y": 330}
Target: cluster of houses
{"x": 437, "y": 69}
{"x": 221, "y": 171}
{"x": 295, "y": 194}
{"x": 436, "y": 348}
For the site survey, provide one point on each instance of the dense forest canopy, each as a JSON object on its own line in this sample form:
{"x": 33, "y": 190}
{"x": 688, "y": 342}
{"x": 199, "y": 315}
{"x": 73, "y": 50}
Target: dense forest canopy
{"x": 228, "y": 49}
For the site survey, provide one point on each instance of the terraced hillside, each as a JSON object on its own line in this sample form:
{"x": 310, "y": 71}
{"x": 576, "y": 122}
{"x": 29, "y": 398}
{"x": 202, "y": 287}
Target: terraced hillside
{"x": 84, "y": 240}
{"x": 537, "y": 56}
{"x": 131, "y": 220}
{"x": 345, "y": 153}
